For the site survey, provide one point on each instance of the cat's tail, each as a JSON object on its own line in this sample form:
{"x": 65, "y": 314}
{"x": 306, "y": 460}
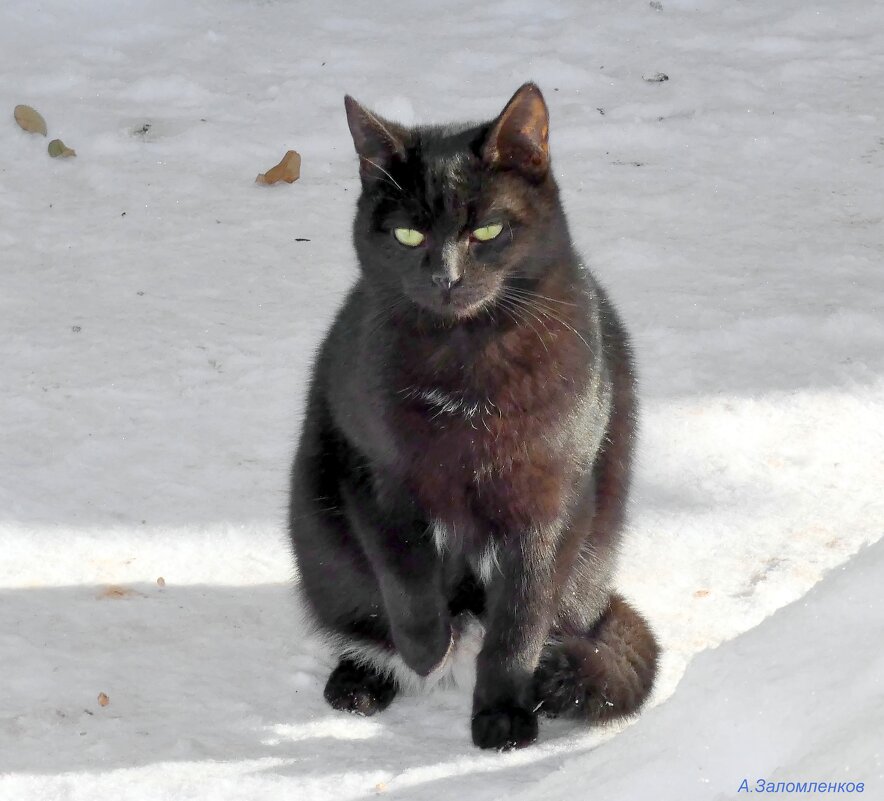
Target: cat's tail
{"x": 604, "y": 674}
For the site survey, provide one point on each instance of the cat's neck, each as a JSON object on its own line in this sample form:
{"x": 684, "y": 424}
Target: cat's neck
{"x": 536, "y": 334}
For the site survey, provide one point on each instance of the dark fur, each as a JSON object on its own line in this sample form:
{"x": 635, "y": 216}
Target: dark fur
{"x": 491, "y": 391}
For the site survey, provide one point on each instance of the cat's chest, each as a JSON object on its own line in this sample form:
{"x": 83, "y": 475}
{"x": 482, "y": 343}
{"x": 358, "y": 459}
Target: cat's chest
{"x": 487, "y": 387}
{"x": 474, "y": 456}
{"x": 480, "y": 427}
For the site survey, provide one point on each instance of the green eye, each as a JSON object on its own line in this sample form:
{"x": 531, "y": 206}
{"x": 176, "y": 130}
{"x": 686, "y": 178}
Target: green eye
{"x": 487, "y": 232}
{"x": 408, "y": 236}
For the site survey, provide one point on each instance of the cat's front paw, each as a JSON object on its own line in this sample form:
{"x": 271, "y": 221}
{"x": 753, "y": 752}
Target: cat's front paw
{"x": 504, "y": 727}
{"x": 359, "y": 689}
{"x": 426, "y": 649}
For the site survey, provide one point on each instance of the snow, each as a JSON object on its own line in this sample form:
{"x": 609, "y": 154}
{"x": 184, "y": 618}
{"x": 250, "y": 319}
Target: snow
{"x": 158, "y": 319}
{"x": 815, "y": 716}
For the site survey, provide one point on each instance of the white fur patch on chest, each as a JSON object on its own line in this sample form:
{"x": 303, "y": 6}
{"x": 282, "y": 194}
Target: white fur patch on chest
{"x": 452, "y": 404}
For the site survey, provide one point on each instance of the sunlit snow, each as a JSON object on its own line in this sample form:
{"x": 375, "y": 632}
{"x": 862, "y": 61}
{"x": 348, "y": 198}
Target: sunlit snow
{"x": 159, "y": 313}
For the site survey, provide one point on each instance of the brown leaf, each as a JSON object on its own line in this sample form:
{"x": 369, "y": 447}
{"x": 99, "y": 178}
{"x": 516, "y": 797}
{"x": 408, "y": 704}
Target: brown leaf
{"x": 115, "y": 591}
{"x": 701, "y": 593}
{"x": 103, "y": 700}
{"x": 288, "y": 170}
{"x": 30, "y": 120}
{"x": 58, "y": 148}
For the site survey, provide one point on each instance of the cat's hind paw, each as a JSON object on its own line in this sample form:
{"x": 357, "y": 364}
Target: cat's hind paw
{"x": 504, "y": 727}
{"x": 359, "y": 689}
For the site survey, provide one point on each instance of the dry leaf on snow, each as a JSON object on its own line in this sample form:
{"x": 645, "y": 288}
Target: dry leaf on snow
{"x": 116, "y": 591}
{"x": 288, "y": 170}
{"x": 58, "y": 148}
{"x": 30, "y": 120}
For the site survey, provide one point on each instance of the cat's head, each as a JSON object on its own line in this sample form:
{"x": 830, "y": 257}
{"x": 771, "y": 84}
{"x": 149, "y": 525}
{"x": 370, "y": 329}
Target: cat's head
{"x": 450, "y": 216}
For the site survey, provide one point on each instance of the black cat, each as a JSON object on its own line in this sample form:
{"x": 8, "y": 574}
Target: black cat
{"x": 468, "y": 438}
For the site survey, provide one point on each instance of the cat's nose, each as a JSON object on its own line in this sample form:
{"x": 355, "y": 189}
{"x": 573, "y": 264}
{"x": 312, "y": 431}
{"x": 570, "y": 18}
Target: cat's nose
{"x": 447, "y": 281}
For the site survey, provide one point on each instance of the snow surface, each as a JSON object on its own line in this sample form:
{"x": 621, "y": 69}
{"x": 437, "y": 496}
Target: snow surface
{"x": 158, "y": 318}
{"x": 800, "y": 698}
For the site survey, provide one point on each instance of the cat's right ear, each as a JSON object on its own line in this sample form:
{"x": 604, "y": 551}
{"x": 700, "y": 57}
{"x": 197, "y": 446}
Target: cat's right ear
{"x": 377, "y": 141}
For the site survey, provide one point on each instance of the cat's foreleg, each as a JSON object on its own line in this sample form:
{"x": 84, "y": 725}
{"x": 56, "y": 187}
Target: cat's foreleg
{"x": 521, "y": 599}
{"x": 400, "y": 548}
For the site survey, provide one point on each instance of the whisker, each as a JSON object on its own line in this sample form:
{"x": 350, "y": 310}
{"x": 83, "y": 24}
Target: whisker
{"x": 550, "y": 315}
{"x": 529, "y": 309}
{"x": 505, "y": 305}
{"x": 375, "y": 164}
{"x": 529, "y": 293}
{"x": 382, "y": 316}
{"x": 315, "y": 513}
{"x": 539, "y": 305}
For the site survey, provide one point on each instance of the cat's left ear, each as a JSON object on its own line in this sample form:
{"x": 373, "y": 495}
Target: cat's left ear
{"x": 377, "y": 141}
{"x": 519, "y": 137}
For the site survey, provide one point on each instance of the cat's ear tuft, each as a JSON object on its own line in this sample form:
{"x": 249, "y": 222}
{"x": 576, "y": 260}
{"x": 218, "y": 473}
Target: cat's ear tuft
{"x": 519, "y": 138}
{"x": 377, "y": 141}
